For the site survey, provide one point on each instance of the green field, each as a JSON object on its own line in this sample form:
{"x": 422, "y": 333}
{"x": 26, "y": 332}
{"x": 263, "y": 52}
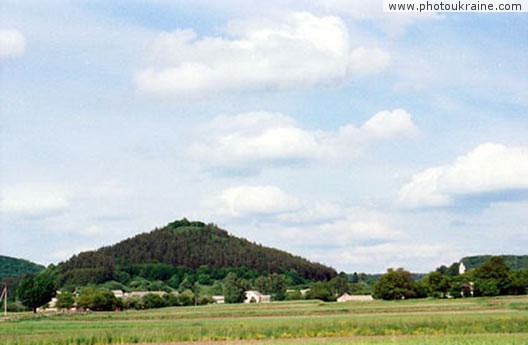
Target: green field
{"x": 485, "y": 321}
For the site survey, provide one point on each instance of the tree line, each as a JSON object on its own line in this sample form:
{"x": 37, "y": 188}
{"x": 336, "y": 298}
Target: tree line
{"x": 491, "y": 278}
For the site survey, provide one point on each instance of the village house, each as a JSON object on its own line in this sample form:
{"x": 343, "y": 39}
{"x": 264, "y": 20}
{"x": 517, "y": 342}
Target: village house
{"x": 304, "y": 291}
{"x": 354, "y": 298}
{"x": 256, "y": 297}
{"x": 139, "y": 294}
{"x": 218, "y": 299}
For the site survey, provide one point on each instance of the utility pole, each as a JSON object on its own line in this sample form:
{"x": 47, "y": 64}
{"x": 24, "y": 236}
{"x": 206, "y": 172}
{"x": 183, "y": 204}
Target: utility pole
{"x": 4, "y": 296}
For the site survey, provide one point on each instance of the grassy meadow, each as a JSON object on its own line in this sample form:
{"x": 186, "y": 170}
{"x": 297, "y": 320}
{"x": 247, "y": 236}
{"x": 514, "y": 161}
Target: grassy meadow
{"x": 502, "y": 320}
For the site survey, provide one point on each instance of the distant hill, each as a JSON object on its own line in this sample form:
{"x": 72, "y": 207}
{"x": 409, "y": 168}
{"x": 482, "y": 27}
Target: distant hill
{"x": 12, "y": 267}
{"x": 192, "y": 246}
{"x": 515, "y": 262}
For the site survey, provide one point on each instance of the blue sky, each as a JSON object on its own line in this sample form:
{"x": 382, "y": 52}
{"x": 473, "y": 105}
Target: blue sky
{"x": 356, "y": 138}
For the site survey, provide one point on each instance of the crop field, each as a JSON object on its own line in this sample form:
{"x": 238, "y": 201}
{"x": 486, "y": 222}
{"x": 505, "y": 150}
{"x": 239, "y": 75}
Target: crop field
{"x": 475, "y": 321}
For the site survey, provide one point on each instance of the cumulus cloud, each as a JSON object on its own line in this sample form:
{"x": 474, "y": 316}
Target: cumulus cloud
{"x": 353, "y": 226}
{"x": 33, "y": 200}
{"x": 12, "y": 44}
{"x": 303, "y": 221}
{"x": 245, "y": 201}
{"x": 299, "y": 50}
{"x": 414, "y": 256}
{"x": 259, "y": 138}
{"x": 489, "y": 168}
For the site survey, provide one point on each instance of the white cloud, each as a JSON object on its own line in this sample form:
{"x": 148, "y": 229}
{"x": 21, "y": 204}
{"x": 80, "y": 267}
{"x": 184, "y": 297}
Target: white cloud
{"x": 263, "y": 138}
{"x": 488, "y": 168}
{"x": 33, "y": 200}
{"x": 300, "y": 50}
{"x": 392, "y": 24}
{"x": 350, "y": 228}
{"x": 12, "y": 44}
{"x": 377, "y": 258}
{"x": 303, "y": 222}
{"x": 390, "y": 124}
{"x": 246, "y": 201}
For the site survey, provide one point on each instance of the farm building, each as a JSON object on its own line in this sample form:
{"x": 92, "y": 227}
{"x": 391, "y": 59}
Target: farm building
{"x": 219, "y": 299}
{"x": 354, "y": 298}
{"x": 256, "y": 297}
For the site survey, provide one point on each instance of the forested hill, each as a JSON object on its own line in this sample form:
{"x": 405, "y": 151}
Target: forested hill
{"x": 12, "y": 267}
{"x": 188, "y": 245}
{"x": 514, "y": 262}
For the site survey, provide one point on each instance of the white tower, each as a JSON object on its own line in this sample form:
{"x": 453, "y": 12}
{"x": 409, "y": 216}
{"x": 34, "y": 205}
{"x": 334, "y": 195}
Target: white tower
{"x": 461, "y": 268}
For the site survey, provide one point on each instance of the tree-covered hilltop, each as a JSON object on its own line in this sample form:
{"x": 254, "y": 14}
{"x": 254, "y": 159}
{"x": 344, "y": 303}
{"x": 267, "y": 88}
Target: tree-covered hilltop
{"x": 514, "y": 262}
{"x": 12, "y": 267}
{"x": 182, "y": 249}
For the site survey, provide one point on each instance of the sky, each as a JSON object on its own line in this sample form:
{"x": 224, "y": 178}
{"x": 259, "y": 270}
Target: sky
{"x": 355, "y": 138}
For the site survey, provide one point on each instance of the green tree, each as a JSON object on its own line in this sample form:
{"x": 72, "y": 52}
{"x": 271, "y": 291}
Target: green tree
{"x": 437, "y": 284}
{"x": 339, "y": 284}
{"x": 65, "y": 300}
{"x": 217, "y": 288}
{"x": 518, "y": 282}
{"x": 321, "y": 291}
{"x": 394, "y": 285}
{"x": 170, "y": 300}
{"x": 492, "y": 277}
{"x": 97, "y": 299}
{"x": 35, "y": 291}
{"x": 133, "y": 303}
{"x": 293, "y": 295}
{"x": 234, "y": 288}
{"x": 186, "y": 298}
{"x": 186, "y": 284}
{"x": 278, "y": 286}
{"x": 263, "y": 284}
{"x": 151, "y": 301}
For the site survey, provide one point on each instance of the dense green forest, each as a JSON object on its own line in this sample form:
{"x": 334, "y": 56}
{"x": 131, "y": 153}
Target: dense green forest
{"x": 12, "y": 267}
{"x": 514, "y": 262}
{"x": 184, "y": 250}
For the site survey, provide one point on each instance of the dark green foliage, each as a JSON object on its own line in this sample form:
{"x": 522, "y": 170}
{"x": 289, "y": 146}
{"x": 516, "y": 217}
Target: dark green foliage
{"x": 514, "y": 262}
{"x": 263, "y": 284}
{"x": 151, "y": 301}
{"x": 421, "y": 290}
{"x": 97, "y": 299}
{"x": 35, "y": 291}
{"x": 274, "y": 285}
{"x": 186, "y": 298}
{"x": 518, "y": 282}
{"x": 339, "y": 284}
{"x": 487, "y": 287}
{"x": 170, "y": 300}
{"x": 293, "y": 295}
{"x": 279, "y": 285}
{"x": 133, "y": 303}
{"x": 437, "y": 284}
{"x": 361, "y": 288}
{"x": 453, "y": 270}
{"x": 12, "y": 267}
{"x": 65, "y": 300}
{"x": 492, "y": 277}
{"x": 113, "y": 285}
{"x": 321, "y": 291}
{"x": 181, "y": 249}
{"x": 235, "y": 288}
{"x": 394, "y": 285}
